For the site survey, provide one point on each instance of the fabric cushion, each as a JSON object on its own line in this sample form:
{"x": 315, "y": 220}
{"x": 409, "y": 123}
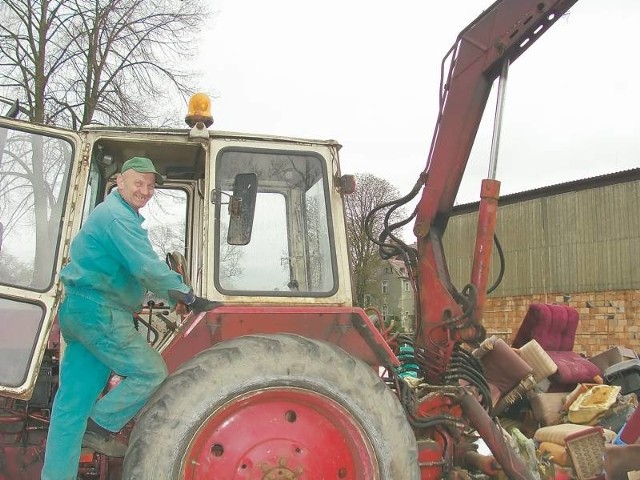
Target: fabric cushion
{"x": 548, "y": 408}
{"x": 558, "y": 452}
{"x": 494, "y": 362}
{"x": 552, "y": 326}
{"x": 558, "y": 433}
{"x": 622, "y": 462}
{"x": 542, "y": 364}
{"x": 572, "y": 368}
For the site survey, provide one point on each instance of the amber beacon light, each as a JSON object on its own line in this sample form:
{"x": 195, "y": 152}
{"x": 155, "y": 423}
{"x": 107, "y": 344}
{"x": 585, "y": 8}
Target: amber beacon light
{"x": 199, "y": 110}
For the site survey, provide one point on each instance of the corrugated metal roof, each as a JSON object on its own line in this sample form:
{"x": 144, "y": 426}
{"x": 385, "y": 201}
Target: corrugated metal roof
{"x": 573, "y": 186}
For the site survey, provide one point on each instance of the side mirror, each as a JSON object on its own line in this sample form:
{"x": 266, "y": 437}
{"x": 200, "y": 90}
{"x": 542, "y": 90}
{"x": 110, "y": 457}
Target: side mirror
{"x": 242, "y": 208}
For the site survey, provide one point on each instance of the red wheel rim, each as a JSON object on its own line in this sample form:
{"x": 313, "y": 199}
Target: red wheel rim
{"x": 280, "y": 433}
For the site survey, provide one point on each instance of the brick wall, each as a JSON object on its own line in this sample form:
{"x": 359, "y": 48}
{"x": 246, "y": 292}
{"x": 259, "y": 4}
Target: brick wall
{"x": 606, "y": 318}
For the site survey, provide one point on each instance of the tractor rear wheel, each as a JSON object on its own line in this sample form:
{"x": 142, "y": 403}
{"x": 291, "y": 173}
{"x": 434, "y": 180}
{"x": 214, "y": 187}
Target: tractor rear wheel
{"x": 273, "y": 407}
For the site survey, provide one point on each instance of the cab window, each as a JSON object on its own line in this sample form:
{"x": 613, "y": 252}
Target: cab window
{"x": 165, "y": 218}
{"x": 34, "y": 172}
{"x": 288, "y": 252}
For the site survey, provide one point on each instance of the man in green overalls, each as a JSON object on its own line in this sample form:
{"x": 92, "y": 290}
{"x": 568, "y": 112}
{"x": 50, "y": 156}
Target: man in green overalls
{"x": 112, "y": 264}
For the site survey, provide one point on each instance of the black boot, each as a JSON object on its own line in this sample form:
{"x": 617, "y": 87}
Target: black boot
{"x": 103, "y": 441}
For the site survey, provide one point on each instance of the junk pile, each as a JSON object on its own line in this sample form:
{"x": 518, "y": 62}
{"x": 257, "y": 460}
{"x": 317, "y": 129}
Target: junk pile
{"x": 579, "y": 416}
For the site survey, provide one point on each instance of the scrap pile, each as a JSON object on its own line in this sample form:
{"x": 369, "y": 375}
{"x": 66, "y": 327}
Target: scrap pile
{"x": 578, "y": 415}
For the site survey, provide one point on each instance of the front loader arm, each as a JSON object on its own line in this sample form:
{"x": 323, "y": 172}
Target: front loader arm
{"x": 495, "y": 39}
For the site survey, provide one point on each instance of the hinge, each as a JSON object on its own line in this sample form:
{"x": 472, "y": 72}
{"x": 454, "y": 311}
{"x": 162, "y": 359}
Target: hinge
{"x": 73, "y": 195}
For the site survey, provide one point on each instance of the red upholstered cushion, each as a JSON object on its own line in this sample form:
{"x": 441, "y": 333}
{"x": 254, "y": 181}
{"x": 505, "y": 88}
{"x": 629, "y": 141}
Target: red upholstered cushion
{"x": 552, "y": 326}
{"x": 503, "y": 367}
{"x": 573, "y": 368}
{"x": 568, "y": 336}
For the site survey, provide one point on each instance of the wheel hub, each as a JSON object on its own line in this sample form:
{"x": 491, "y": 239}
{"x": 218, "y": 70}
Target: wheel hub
{"x": 280, "y": 472}
{"x": 280, "y": 433}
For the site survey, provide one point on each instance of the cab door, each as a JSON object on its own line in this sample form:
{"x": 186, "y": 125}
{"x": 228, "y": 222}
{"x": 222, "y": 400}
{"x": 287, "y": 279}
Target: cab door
{"x": 38, "y": 165}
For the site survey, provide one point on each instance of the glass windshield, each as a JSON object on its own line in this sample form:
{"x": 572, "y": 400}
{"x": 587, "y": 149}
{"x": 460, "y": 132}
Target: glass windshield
{"x": 34, "y": 171}
{"x": 289, "y": 251}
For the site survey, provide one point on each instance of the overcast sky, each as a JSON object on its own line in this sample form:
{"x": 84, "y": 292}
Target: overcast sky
{"x": 366, "y": 74}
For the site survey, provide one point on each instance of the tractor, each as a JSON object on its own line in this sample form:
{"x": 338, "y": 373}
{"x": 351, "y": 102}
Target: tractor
{"x": 287, "y": 379}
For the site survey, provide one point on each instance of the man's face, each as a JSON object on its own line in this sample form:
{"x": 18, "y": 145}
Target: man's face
{"x": 136, "y": 188}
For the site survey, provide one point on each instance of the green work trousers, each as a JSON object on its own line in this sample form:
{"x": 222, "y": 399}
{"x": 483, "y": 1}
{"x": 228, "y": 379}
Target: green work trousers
{"x": 99, "y": 340}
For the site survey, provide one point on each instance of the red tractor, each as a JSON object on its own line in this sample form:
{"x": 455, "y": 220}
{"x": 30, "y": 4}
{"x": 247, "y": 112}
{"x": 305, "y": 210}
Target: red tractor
{"x": 287, "y": 380}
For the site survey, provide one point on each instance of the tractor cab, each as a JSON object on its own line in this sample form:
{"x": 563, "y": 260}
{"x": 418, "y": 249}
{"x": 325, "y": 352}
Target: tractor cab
{"x": 255, "y": 220}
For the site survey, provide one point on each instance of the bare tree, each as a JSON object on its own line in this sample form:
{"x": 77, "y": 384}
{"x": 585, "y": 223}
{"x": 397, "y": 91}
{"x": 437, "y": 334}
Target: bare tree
{"x": 71, "y": 62}
{"x": 13, "y": 270}
{"x": 371, "y": 192}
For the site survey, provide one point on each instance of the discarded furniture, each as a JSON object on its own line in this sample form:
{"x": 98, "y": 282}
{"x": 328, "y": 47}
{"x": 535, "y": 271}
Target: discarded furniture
{"x": 554, "y": 328}
{"x": 507, "y": 385}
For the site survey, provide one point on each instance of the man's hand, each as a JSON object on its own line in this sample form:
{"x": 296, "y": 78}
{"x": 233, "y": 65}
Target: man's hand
{"x": 188, "y": 302}
{"x": 201, "y": 304}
